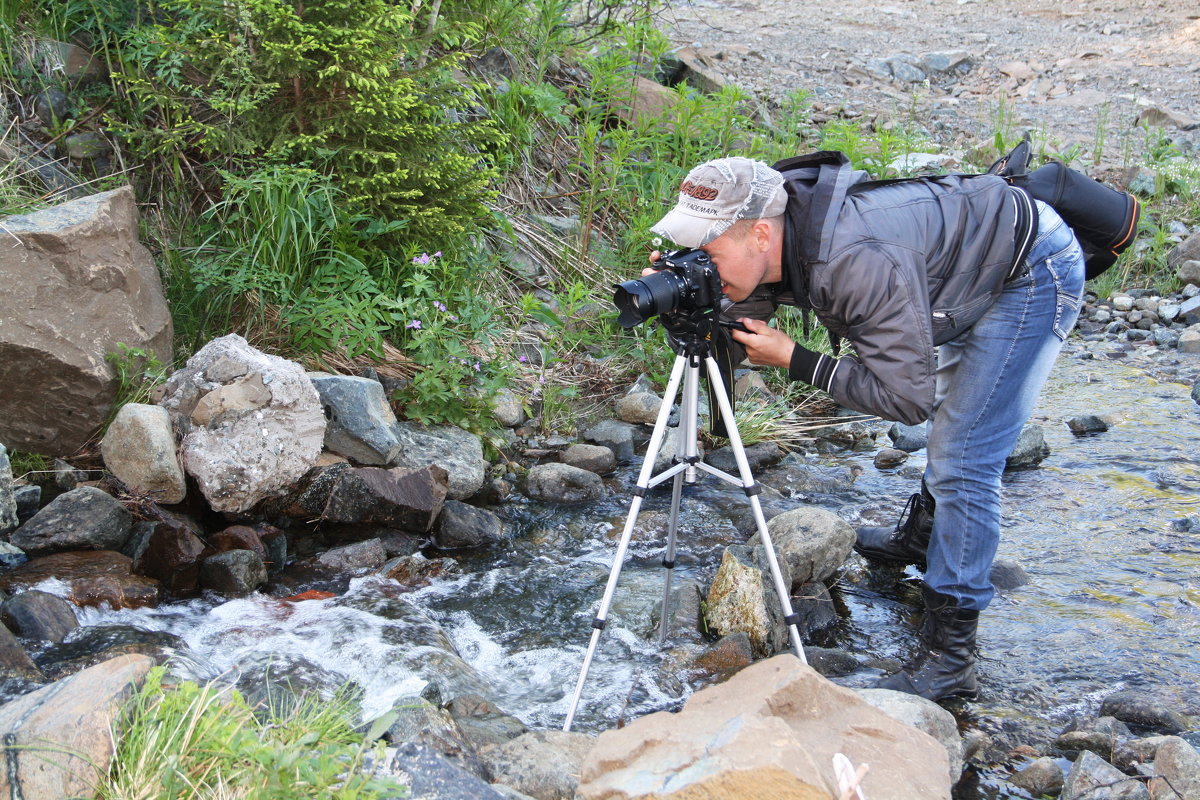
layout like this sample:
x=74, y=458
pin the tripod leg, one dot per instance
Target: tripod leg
x=687, y=453
x=643, y=483
x=752, y=490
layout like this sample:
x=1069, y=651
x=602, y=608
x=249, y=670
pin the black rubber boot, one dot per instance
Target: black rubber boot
x=945, y=666
x=907, y=542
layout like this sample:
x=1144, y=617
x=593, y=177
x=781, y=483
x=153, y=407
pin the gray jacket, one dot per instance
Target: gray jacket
x=895, y=269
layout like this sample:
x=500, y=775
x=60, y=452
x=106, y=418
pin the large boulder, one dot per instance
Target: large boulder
x=59, y=738
x=772, y=730
x=86, y=518
x=78, y=286
x=250, y=424
x=814, y=543
x=8, y=495
x=743, y=599
x=360, y=419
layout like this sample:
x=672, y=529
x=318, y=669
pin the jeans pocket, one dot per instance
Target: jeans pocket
x=1066, y=268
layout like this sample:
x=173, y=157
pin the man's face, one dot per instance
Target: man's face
x=742, y=260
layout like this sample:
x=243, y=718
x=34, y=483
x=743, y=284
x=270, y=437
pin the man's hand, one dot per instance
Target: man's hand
x=764, y=344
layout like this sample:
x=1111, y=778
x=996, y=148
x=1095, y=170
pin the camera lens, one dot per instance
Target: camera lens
x=640, y=299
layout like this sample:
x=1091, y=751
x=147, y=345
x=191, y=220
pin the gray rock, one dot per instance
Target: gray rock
x=15, y=663
x=1007, y=575
x=78, y=286
x=40, y=616
x=139, y=449
x=1030, y=450
x=924, y=715
x=1087, y=423
x=1187, y=250
x=1139, y=708
x=81, y=519
x=743, y=599
x=507, y=408
x=1189, y=311
x=29, y=502
x=814, y=543
x=462, y=525
x=560, y=483
x=592, y=457
x=51, y=106
x=1100, y=736
x=890, y=458
x=455, y=450
x=622, y=438
x=759, y=456
x=234, y=573
x=351, y=557
x=639, y=408
x=359, y=420
x=432, y=776
x=909, y=438
x=541, y=764
x=1093, y=778
x=251, y=423
x=903, y=69
x=1041, y=777
x=8, y=498
x=11, y=556
x=1189, y=271
x=482, y=723
x=417, y=721
x=1178, y=765
x=1168, y=311
x=958, y=62
x=87, y=146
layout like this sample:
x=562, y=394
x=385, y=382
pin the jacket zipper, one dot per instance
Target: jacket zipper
x=945, y=315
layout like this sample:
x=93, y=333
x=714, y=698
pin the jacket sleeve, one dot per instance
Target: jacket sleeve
x=879, y=303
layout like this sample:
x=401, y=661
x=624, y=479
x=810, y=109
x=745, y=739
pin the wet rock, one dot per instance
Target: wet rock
x=92, y=645
x=1007, y=575
x=1131, y=754
x=790, y=722
x=1138, y=708
x=1100, y=736
x=239, y=537
x=814, y=543
x=1087, y=423
x=79, y=286
x=174, y=551
x=759, y=456
x=359, y=418
x=417, y=721
x=814, y=606
x=416, y=570
x=742, y=598
x=139, y=449
x=8, y=498
x=560, y=483
x=15, y=663
x=1030, y=450
x=29, y=502
x=431, y=776
x=94, y=577
x=924, y=715
x=280, y=681
x=81, y=519
x=591, y=457
x=1178, y=766
x=622, y=438
x=482, y=723
x=1041, y=777
x=794, y=476
x=73, y=719
x=686, y=619
x=462, y=525
x=458, y=452
x=38, y=615
x=890, y=458
x=233, y=573
x=353, y=557
x=731, y=654
x=831, y=662
x=542, y=764
x=251, y=424
x=1093, y=778
x=409, y=499
x=639, y=408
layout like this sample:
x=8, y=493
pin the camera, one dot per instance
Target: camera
x=686, y=282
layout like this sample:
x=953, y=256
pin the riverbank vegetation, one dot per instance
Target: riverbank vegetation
x=442, y=192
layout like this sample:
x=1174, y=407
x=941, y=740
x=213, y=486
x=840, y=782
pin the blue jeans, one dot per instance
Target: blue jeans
x=988, y=380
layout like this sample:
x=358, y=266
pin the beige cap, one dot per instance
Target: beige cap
x=716, y=194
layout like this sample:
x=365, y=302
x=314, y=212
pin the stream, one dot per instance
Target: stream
x=1102, y=527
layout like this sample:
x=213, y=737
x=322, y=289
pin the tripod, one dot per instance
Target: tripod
x=691, y=351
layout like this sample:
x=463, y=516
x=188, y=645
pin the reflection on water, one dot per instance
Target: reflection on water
x=1112, y=601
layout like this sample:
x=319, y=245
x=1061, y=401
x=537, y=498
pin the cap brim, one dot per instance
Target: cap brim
x=689, y=230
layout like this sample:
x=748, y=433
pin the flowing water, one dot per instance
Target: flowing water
x=1101, y=528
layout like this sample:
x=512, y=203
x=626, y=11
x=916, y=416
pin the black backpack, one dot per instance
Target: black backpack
x=1104, y=219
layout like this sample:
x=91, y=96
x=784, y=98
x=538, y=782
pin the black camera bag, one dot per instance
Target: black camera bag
x=1104, y=219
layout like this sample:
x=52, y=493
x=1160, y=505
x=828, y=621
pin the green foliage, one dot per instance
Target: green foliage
x=189, y=741
x=336, y=84
x=24, y=464
x=137, y=372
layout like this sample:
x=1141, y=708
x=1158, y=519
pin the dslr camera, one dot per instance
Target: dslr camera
x=685, y=287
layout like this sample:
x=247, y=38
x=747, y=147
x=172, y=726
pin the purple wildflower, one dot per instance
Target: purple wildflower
x=415, y=324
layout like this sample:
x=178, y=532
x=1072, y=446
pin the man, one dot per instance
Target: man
x=955, y=294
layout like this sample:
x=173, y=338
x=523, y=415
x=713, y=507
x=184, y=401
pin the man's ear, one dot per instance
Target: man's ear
x=762, y=231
